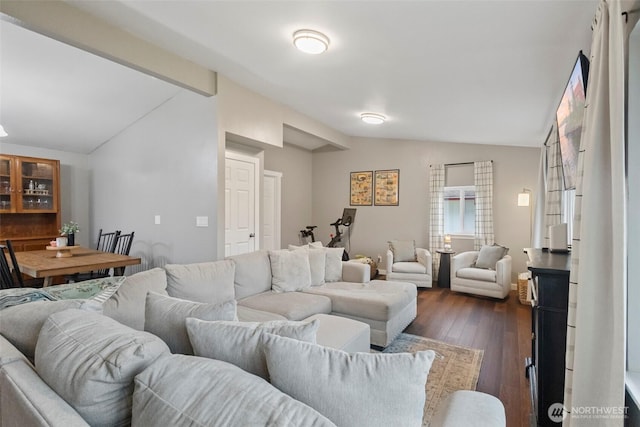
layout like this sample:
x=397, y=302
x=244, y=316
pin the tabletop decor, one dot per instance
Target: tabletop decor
x=70, y=229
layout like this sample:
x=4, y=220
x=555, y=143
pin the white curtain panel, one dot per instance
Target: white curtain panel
x=436, y=214
x=538, y=231
x=483, y=177
x=555, y=185
x=595, y=359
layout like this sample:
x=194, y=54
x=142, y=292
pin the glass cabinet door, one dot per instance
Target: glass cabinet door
x=38, y=186
x=7, y=203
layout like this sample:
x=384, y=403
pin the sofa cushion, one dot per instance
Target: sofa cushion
x=403, y=250
x=292, y=305
x=239, y=342
x=333, y=267
x=469, y=408
x=253, y=273
x=477, y=274
x=90, y=361
x=247, y=314
x=394, y=383
x=127, y=304
x=209, y=282
x=226, y=396
x=21, y=324
x=378, y=299
x=290, y=270
x=409, y=267
x=490, y=255
x=165, y=317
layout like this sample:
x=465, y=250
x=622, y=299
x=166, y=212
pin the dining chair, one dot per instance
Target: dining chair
x=123, y=246
x=6, y=277
x=106, y=243
x=11, y=275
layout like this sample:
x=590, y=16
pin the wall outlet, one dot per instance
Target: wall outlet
x=202, y=221
x=156, y=220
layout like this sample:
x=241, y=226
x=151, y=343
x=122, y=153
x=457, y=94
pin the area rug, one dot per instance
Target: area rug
x=454, y=368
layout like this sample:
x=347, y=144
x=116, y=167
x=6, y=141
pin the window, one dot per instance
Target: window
x=460, y=210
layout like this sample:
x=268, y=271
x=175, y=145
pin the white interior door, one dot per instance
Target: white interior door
x=271, y=213
x=241, y=209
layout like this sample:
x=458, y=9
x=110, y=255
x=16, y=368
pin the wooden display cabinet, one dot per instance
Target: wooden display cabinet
x=29, y=201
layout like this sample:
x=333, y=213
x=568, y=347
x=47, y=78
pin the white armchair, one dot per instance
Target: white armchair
x=465, y=277
x=417, y=272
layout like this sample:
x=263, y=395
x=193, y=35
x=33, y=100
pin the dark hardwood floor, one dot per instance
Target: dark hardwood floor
x=501, y=328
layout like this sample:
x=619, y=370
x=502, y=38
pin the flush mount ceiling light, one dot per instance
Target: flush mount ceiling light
x=373, y=118
x=309, y=41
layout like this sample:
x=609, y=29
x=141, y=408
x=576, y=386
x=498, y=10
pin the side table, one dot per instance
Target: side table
x=444, y=272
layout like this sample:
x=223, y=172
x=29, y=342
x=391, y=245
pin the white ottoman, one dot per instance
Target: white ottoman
x=342, y=333
x=465, y=408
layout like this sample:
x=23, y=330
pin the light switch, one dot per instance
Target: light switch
x=202, y=221
x=156, y=220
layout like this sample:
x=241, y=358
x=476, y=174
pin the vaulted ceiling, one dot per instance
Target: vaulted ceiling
x=489, y=72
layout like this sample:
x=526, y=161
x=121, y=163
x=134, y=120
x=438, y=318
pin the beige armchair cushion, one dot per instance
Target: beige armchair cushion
x=477, y=274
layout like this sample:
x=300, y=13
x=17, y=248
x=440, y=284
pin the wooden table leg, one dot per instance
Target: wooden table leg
x=47, y=281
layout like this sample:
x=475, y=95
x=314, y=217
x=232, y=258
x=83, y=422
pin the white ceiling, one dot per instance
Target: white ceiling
x=458, y=71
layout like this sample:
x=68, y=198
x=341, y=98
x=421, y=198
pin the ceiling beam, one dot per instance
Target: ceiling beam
x=75, y=27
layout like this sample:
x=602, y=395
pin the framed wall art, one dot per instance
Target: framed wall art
x=361, y=188
x=387, y=187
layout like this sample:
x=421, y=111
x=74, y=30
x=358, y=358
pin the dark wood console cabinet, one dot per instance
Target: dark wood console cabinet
x=545, y=368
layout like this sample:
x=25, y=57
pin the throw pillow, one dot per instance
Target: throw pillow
x=239, y=342
x=490, y=255
x=403, y=250
x=394, y=383
x=127, y=304
x=90, y=360
x=317, y=263
x=165, y=316
x=290, y=270
x=333, y=267
x=21, y=324
x=191, y=391
x=209, y=282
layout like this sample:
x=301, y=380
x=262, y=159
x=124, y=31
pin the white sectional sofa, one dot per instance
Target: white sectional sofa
x=386, y=306
x=77, y=363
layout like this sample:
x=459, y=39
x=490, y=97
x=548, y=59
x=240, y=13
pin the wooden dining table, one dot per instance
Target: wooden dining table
x=45, y=263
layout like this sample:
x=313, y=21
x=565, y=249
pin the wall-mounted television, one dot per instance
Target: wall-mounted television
x=569, y=118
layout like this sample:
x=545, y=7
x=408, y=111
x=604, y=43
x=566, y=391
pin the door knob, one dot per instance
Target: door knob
x=252, y=235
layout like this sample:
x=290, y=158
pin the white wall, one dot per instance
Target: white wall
x=514, y=168
x=74, y=183
x=165, y=164
x=295, y=164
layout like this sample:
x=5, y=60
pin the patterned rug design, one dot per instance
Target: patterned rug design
x=454, y=368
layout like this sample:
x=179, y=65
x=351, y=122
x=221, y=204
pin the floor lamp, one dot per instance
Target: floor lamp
x=524, y=199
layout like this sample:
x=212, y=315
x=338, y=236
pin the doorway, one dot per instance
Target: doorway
x=241, y=192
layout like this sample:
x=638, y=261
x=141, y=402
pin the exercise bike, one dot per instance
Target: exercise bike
x=337, y=240
x=308, y=232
